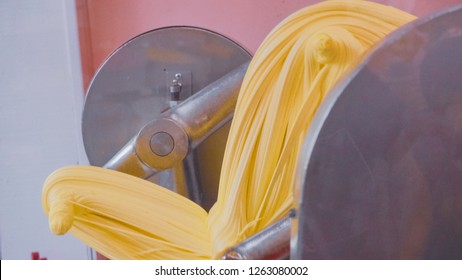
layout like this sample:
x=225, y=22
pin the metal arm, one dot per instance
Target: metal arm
x=165, y=141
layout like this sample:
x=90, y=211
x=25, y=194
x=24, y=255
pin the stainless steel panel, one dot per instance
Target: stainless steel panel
x=381, y=170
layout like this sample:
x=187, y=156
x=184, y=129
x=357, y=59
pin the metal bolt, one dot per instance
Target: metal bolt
x=162, y=143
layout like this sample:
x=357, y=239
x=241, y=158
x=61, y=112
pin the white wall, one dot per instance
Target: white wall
x=40, y=106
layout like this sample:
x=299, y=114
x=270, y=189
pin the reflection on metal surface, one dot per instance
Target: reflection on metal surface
x=381, y=170
x=134, y=86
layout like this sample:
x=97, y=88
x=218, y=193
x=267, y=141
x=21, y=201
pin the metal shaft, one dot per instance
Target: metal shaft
x=164, y=142
x=272, y=243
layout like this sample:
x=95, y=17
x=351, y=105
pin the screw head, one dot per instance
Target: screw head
x=162, y=144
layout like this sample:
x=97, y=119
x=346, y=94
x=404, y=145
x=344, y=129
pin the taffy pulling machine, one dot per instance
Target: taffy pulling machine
x=380, y=175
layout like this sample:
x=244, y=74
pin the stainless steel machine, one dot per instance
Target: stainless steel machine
x=380, y=175
x=160, y=107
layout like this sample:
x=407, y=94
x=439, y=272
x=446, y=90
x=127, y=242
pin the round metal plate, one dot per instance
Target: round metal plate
x=381, y=170
x=131, y=88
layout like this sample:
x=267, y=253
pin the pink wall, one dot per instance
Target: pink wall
x=106, y=24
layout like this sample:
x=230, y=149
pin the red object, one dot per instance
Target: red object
x=36, y=256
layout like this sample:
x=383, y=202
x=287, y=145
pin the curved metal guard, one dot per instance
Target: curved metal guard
x=381, y=170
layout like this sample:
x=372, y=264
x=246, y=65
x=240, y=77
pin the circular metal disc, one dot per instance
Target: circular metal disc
x=131, y=88
x=381, y=169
